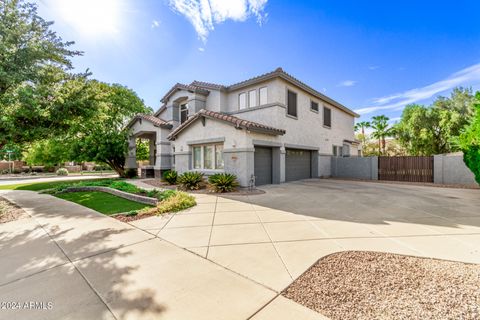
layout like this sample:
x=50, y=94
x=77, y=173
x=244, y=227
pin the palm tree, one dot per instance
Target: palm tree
x=362, y=126
x=381, y=131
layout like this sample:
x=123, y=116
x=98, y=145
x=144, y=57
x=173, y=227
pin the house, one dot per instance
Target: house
x=272, y=127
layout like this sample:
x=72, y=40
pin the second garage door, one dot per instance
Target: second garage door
x=297, y=164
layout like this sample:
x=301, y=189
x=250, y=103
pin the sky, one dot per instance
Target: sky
x=372, y=56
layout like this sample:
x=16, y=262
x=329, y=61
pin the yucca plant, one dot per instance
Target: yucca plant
x=190, y=180
x=223, y=182
x=170, y=176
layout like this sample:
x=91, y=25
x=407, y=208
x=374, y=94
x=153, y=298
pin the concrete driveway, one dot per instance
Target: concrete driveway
x=240, y=252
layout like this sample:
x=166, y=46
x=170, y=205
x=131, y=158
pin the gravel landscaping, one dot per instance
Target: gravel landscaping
x=373, y=285
x=10, y=212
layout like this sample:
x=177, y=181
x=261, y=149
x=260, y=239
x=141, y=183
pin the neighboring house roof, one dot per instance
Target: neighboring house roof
x=279, y=73
x=236, y=122
x=157, y=122
x=181, y=86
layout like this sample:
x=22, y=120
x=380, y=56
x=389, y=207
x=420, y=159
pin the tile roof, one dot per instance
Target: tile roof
x=180, y=86
x=208, y=85
x=151, y=118
x=237, y=122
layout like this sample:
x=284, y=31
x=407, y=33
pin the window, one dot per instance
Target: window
x=197, y=157
x=314, y=106
x=252, y=98
x=327, y=117
x=183, y=113
x=346, y=150
x=337, y=151
x=208, y=157
x=292, y=103
x=242, y=100
x=263, y=95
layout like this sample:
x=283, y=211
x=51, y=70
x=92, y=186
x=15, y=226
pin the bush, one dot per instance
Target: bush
x=131, y=173
x=471, y=157
x=223, y=182
x=190, y=180
x=469, y=142
x=101, y=167
x=170, y=176
x=176, y=202
x=62, y=172
x=125, y=186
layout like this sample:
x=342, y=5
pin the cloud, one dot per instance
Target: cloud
x=373, y=68
x=155, y=24
x=201, y=49
x=347, y=83
x=205, y=14
x=398, y=100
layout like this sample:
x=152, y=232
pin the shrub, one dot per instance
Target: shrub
x=190, y=180
x=125, y=186
x=170, y=176
x=101, y=167
x=223, y=182
x=471, y=157
x=469, y=142
x=62, y=172
x=166, y=194
x=177, y=202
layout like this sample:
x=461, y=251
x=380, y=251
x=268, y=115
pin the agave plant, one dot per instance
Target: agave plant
x=223, y=182
x=190, y=180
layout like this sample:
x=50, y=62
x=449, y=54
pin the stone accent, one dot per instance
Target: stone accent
x=118, y=193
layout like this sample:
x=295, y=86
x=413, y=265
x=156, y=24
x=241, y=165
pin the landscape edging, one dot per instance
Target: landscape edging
x=115, y=192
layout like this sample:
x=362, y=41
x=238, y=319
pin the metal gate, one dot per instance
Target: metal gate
x=411, y=169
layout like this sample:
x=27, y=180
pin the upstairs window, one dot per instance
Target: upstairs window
x=183, y=113
x=292, y=103
x=263, y=95
x=314, y=106
x=327, y=117
x=242, y=100
x=252, y=98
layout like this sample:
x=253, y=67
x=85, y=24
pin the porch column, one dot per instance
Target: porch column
x=151, y=150
x=131, y=159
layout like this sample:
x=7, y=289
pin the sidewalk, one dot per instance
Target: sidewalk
x=90, y=266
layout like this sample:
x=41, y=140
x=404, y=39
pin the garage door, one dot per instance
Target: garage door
x=263, y=166
x=297, y=164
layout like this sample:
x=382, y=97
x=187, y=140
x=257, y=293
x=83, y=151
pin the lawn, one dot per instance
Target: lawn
x=102, y=202
x=38, y=186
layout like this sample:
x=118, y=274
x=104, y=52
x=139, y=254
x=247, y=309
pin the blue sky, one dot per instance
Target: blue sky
x=372, y=56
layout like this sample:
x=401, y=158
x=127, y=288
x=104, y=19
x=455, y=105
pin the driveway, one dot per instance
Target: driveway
x=226, y=258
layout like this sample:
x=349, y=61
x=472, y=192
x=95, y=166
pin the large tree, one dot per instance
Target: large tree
x=38, y=92
x=427, y=130
x=104, y=137
x=469, y=142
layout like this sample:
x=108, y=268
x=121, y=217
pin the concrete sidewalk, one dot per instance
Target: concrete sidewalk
x=78, y=264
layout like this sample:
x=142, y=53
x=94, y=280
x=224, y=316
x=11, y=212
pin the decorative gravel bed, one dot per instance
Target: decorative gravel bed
x=239, y=192
x=10, y=212
x=373, y=285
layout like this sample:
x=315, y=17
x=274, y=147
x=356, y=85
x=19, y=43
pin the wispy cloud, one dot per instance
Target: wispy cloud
x=201, y=49
x=347, y=83
x=205, y=14
x=155, y=24
x=398, y=100
x=373, y=67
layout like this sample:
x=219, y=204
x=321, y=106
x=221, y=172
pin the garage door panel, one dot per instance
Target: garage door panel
x=297, y=164
x=263, y=165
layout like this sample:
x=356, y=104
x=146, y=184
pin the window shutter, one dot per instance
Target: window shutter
x=292, y=103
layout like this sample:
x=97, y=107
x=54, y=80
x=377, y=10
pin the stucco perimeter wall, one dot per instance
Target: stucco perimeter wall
x=450, y=169
x=365, y=168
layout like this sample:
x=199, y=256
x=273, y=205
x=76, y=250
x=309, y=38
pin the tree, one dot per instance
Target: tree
x=143, y=149
x=104, y=138
x=432, y=130
x=361, y=126
x=37, y=91
x=47, y=152
x=381, y=131
x=469, y=142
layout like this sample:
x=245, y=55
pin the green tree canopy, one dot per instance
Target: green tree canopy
x=469, y=142
x=38, y=93
x=381, y=130
x=427, y=130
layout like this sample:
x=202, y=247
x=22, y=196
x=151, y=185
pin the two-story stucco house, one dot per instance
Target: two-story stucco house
x=272, y=127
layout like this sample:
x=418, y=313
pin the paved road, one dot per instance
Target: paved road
x=18, y=180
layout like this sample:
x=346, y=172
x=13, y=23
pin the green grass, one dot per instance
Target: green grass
x=102, y=202
x=38, y=186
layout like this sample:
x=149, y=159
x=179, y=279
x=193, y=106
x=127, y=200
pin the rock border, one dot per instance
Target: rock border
x=115, y=192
